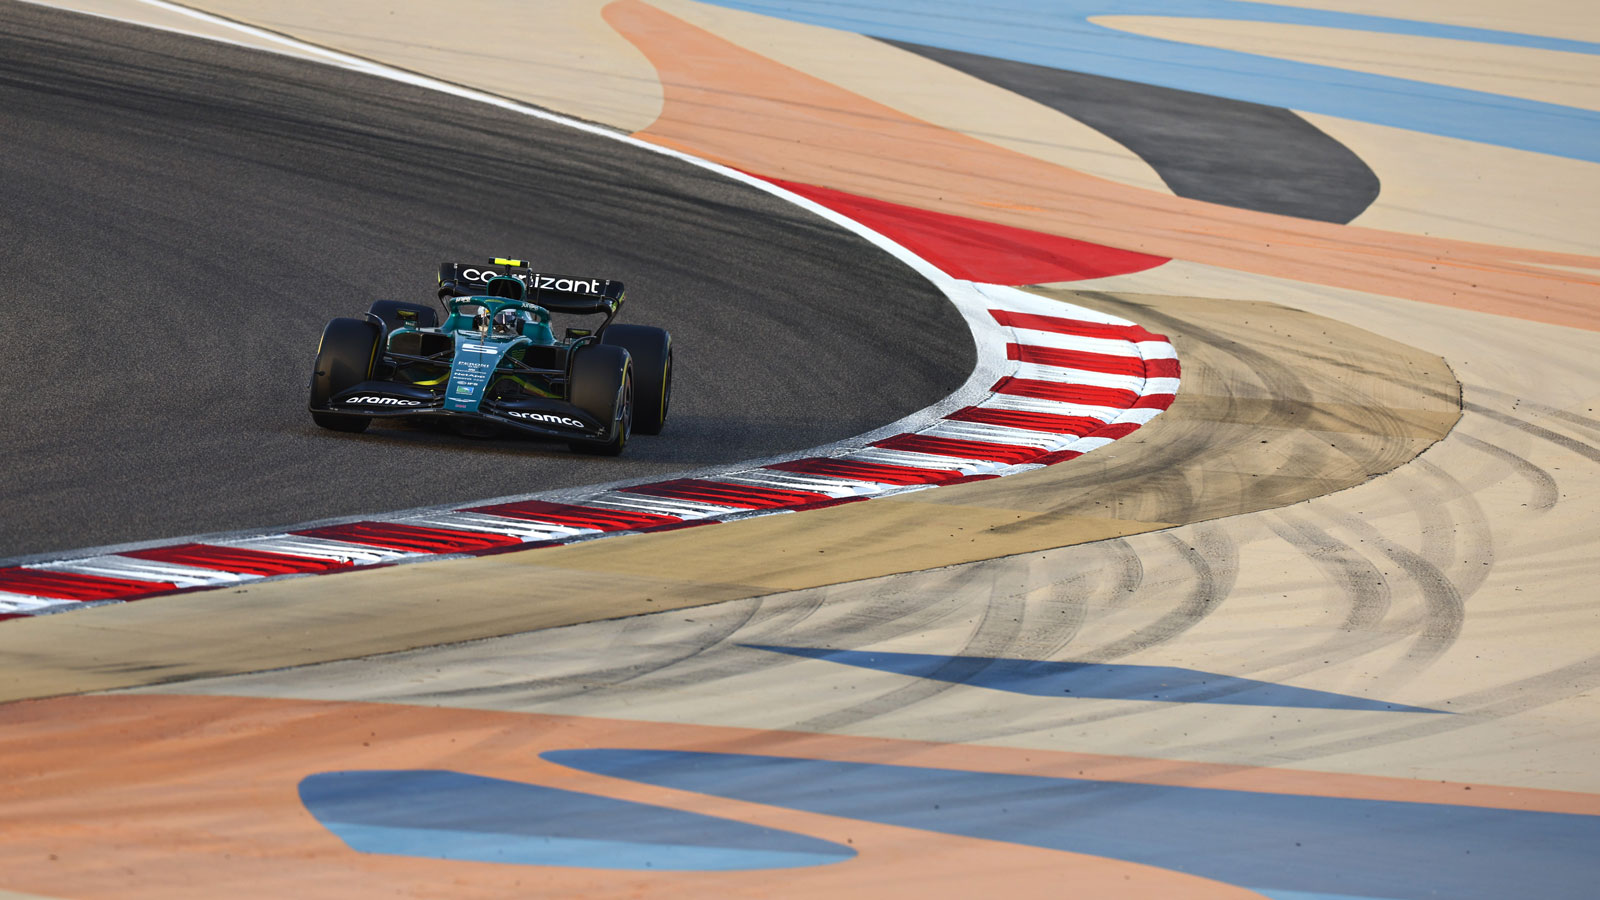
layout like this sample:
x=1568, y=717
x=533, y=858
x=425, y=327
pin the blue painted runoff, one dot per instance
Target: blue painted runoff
x=1058, y=34
x=1294, y=847
x=1103, y=681
x=450, y=815
x=1302, y=895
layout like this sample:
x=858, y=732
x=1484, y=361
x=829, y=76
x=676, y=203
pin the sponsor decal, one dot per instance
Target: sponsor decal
x=536, y=281
x=579, y=285
x=479, y=348
x=368, y=400
x=485, y=274
x=547, y=418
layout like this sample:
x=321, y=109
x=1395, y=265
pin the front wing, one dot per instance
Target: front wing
x=543, y=417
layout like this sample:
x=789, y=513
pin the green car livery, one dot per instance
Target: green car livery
x=494, y=364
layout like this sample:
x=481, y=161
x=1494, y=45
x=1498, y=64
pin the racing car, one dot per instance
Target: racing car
x=495, y=364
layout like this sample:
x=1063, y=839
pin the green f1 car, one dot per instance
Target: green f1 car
x=495, y=364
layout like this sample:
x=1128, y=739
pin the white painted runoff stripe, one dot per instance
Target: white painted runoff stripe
x=112, y=566
x=910, y=459
x=1102, y=346
x=998, y=434
x=521, y=528
x=321, y=548
x=1065, y=375
x=1019, y=403
x=667, y=506
x=833, y=487
x=14, y=604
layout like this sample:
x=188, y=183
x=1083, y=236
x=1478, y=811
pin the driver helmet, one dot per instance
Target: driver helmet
x=507, y=321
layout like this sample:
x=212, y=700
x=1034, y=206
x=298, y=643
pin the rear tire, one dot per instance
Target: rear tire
x=345, y=358
x=602, y=386
x=388, y=311
x=651, y=349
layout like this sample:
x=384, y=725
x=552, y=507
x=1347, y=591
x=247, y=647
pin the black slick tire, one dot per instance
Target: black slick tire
x=345, y=358
x=602, y=386
x=651, y=349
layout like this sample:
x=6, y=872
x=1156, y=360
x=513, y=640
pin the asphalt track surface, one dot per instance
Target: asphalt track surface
x=181, y=218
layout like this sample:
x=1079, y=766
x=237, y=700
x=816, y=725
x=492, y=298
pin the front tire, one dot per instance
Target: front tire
x=602, y=386
x=651, y=349
x=345, y=358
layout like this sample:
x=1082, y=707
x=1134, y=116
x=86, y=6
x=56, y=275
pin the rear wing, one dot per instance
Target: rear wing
x=557, y=293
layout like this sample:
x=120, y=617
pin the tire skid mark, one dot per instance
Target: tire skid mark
x=1370, y=627
x=1129, y=570
x=904, y=612
x=1574, y=445
x=1213, y=561
x=636, y=640
x=692, y=653
x=1011, y=622
x=1054, y=612
x=710, y=656
x=1587, y=423
x=1358, y=580
x=1544, y=493
x=716, y=633
x=693, y=658
x=1365, y=629
x=1048, y=618
x=998, y=627
x=789, y=616
x=1456, y=536
x=1443, y=612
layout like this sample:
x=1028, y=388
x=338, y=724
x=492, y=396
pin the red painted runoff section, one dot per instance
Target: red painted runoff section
x=568, y=514
x=1060, y=456
x=236, y=559
x=1012, y=454
x=1154, y=401
x=1081, y=359
x=877, y=473
x=1067, y=392
x=977, y=250
x=1161, y=368
x=74, y=586
x=411, y=538
x=724, y=494
x=1113, y=432
x=1030, y=421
